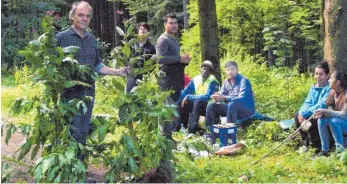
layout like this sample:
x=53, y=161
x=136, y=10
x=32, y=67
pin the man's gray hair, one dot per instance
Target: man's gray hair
x=231, y=63
x=77, y=4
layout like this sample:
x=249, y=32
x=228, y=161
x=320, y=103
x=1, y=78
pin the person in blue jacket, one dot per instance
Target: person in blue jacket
x=315, y=99
x=236, y=99
x=195, y=96
x=334, y=116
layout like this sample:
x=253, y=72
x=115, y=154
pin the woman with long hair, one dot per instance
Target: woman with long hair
x=335, y=116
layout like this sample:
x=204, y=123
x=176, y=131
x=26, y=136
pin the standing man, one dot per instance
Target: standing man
x=171, y=62
x=236, y=100
x=194, y=98
x=88, y=54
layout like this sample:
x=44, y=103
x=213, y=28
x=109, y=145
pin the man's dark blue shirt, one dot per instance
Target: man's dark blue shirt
x=88, y=54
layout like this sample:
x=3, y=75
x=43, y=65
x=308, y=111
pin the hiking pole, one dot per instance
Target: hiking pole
x=288, y=138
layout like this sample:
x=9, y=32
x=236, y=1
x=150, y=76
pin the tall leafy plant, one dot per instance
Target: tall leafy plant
x=55, y=68
x=142, y=114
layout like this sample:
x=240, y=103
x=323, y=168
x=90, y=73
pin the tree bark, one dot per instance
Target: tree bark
x=115, y=21
x=209, y=41
x=335, y=33
x=185, y=15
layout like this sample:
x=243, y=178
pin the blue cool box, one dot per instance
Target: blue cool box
x=224, y=134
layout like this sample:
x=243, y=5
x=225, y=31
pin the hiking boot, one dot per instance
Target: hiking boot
x=201, y=131
x=303, y=149
x=321, y=153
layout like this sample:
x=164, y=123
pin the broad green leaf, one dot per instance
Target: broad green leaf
x=343, y=158
x=71, y=49
x=62, y=160
x=25, y=129
x=130, y=30
x=126, y=50
x=134, y=168
x=65, y=133
x=82, y=105
x=25, y=148
x=120, y=31
x=35, y=43
x=144, y=70
x=70, y=154
x=52, y=173
x=11, y=129
x=69, y=84
x=131, y=144
x=37, y=172
x=47, y=24
x=102, y=132
x=43, y=38
x=30, y=57
x=46, y=126
x=70, y=60
x=34, y=151
x=50, y=71
x=57, y=179
x=45, y=165
x=118, y=85
x=134, y=60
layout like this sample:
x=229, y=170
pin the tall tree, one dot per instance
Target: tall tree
x=335, y=31
x=209, y=42
x=185, y=15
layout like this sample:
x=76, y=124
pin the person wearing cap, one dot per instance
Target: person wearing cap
x=195, y=96
x=235, y=100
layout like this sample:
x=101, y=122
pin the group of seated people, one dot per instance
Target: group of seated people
x=327, y=104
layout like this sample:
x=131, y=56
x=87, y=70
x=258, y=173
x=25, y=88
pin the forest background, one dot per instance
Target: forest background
x=276, y=43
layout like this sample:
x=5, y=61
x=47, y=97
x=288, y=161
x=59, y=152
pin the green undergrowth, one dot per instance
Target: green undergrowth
x=279, y=92
x=283, y=165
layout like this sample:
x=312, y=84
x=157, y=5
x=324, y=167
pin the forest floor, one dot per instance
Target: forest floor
x=286, y=164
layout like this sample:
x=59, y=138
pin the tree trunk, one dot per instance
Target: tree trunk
x=185, y=14
x=149, y=17
x=115, y=17
x=209, y=42
x=335, y=33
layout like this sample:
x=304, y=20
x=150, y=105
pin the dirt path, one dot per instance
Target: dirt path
x=20, y=173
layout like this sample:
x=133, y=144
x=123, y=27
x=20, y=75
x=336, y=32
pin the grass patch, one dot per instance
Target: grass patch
x=9, y=94
x=284, y=165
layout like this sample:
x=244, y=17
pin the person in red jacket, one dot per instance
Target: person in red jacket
x=186, y=80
